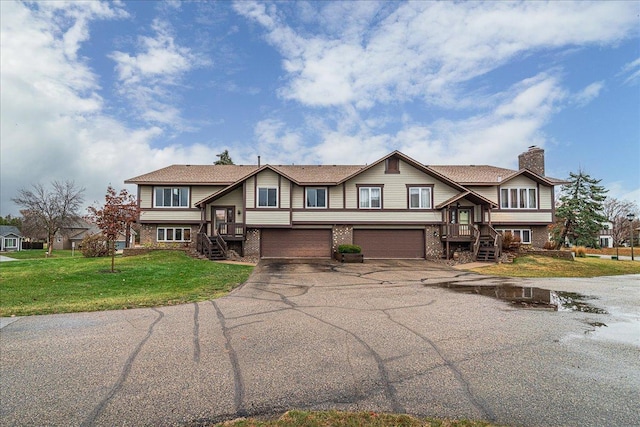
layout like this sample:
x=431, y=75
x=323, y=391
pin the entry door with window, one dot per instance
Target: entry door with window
x=221, y=219
x=464, y=221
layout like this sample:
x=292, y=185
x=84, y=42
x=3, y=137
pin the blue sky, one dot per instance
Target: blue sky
x=101, y=92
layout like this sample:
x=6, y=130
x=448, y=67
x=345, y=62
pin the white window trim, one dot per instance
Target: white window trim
x=520, y=234
x=306, y=197
x=267, y=205
x=369, y=199
x=7, y=245
x=509, y=200
x=174, y=233
x=420, y=198
x=155, y=197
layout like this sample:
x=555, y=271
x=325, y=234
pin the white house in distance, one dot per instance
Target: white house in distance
x=606, y=236
x=395, y=207
x=10, y=238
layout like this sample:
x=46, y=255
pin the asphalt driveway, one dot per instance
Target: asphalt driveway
x=376, y=336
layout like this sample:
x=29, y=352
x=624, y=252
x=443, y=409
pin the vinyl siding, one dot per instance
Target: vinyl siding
x=490, y=193
x=395, y=186
x=520, y=217
x=232, y=199
x=267, y=217
x=268, y=178
x=297, y=197
x=546, y=197
x=199, y=192
x=336, y=200
x=366, y=216
x=146, y=192
x=285, y=193
x=520, y=181
x=169, y=215
x=251, y=193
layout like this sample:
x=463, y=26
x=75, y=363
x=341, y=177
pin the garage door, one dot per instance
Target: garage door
x=390, y=243
x=300, y=243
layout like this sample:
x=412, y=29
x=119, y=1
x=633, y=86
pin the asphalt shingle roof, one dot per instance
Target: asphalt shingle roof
x=5, y=230
x=194, y=174
x=474, y=174
x=312, y=174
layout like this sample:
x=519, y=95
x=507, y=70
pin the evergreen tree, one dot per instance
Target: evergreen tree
x=223, y=158
x=580, y=213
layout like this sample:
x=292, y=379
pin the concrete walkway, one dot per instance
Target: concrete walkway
x=365, y=337
x=6, y=258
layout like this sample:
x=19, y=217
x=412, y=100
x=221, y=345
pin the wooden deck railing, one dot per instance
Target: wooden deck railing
x=457, y=231
x=231, y=230
x=487, y=230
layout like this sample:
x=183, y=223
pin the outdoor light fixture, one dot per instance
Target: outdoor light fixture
x=630, y=217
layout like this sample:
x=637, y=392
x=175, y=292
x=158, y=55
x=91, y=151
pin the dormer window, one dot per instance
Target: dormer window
x=392, y=165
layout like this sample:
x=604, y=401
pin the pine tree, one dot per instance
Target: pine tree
x=224, y=158
x=580, y=212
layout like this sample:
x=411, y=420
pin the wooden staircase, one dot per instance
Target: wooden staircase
x=488, y=244
x=211, y=248
x=487, y=250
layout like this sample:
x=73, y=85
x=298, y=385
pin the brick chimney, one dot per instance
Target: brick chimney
x=532, y=159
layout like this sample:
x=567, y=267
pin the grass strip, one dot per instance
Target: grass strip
x=350, y=419
x=540, y=266
x=65, y=284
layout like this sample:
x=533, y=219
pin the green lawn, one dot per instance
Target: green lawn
x=540, y=266
x=64, y=284
x=350, y=419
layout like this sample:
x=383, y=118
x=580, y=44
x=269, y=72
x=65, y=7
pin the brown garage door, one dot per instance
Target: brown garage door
x=300, y=243
x=390, y=243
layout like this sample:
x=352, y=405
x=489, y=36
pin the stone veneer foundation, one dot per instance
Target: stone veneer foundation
x=342, y=235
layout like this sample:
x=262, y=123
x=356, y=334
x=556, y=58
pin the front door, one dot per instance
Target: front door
x=222, y=216
x=463, y=219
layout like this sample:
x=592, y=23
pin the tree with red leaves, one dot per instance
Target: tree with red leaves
x=120, y=210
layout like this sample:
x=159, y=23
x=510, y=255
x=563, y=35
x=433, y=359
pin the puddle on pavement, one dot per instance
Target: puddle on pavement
x=527, y=297
x=627, y=331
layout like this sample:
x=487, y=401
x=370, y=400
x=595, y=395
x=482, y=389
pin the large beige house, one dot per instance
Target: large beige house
x=395, y=207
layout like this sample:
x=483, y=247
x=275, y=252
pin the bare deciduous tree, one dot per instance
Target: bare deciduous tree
x=49, y=210
x=616, y=212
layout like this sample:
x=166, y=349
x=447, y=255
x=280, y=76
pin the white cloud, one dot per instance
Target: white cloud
x=423, y=50
x=632, y=70
x=494, y=137
x=589, y=93
x=54, y=125
x=148, y=78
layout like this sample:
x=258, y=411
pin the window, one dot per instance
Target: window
x=174, y=234
x=518, y=198
x=172, y=197
x=10, y=242
x=420, y=197
x=316, y=197
x=267, y=197
x=523, y=234
x=370, y=197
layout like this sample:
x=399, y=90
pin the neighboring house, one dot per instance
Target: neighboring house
x=78, y=230
x=606, y=235
x=395, y=207
x=10, y=238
